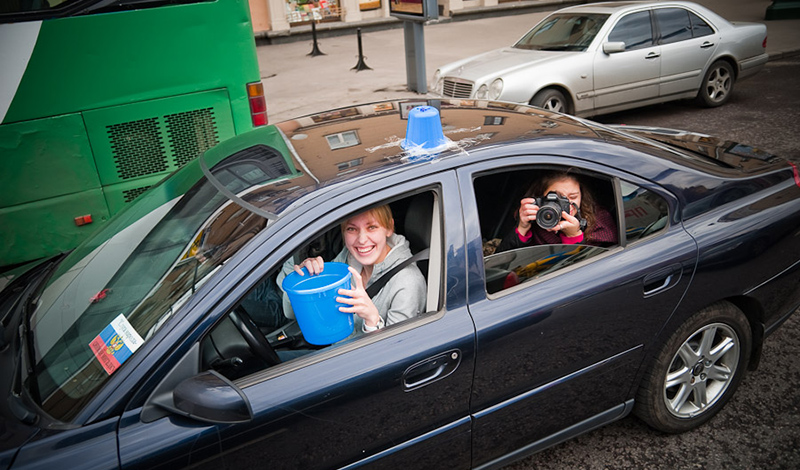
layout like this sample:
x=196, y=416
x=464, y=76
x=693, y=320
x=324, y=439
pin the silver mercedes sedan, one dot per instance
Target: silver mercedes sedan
x=605, y=57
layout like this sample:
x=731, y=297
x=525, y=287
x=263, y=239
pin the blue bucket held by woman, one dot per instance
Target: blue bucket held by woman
x=314, y=303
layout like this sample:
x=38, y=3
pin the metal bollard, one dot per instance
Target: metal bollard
x=315, y=50
x=361, y=65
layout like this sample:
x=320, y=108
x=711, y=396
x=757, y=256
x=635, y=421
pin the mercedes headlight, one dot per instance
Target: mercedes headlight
x=483, y=93
x=495, y=89
x=436, y=82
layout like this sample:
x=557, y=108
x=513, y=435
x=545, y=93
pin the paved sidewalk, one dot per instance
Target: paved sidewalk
x=297, y=84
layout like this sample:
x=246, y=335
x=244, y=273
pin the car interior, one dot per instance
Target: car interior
x=257, y=334
x=498, y=194
x=504, y=190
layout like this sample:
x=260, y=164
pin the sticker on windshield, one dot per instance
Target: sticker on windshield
x=115, y=344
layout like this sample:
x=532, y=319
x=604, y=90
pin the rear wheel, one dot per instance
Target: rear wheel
x=551, y=100
x=697, y=371
x=717, y=85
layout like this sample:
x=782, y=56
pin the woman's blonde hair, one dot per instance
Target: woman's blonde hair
x=383, y=214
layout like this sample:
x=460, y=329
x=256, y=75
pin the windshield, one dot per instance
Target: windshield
x=567, y=32
x=111, y=294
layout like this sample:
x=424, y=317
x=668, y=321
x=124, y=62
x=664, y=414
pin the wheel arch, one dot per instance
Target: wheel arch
x=561, y=88
x=754, y=312
x=731, y=60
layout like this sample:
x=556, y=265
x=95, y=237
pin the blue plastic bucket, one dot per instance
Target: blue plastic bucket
x=424, y=129
x=314, y=303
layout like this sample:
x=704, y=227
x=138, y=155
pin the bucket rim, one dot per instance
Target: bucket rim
x=341, y=268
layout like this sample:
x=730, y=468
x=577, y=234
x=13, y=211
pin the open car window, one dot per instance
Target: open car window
x=617, y=213
x=263, y=330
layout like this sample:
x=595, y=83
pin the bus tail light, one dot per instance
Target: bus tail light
x=258, y=104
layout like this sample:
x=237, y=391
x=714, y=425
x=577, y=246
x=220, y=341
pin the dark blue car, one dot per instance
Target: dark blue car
x=165, y=341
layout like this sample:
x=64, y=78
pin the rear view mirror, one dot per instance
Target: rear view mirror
x=210, y=397
x=613, y=47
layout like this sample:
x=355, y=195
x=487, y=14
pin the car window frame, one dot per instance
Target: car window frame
x=212, y=303
x=659, y=33
x=609, y=174
x=653, y=29
x=331, y=220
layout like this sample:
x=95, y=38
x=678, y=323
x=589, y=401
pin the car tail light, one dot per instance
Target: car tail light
x=796, y=175
x=258, y=104
x=764, y=44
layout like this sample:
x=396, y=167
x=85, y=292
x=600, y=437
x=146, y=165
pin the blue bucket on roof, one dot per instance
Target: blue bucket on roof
x=424, y=129
x=314, y=303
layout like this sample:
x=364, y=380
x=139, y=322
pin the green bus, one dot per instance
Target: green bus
x=100, y=99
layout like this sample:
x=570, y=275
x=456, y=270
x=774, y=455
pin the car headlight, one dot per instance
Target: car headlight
x=436, y=82
x=483, y=93
x=495, y=89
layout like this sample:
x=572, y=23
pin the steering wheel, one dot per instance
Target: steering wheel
x=252, y=335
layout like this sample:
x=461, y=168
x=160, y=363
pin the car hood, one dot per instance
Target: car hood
x=13, y=437
x=503, y=61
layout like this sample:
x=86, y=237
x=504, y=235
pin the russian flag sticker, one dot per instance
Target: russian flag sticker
x=115, y=344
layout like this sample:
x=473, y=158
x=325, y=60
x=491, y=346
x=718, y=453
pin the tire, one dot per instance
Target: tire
x=717, y=85
x=707, y=355
x=551, y=100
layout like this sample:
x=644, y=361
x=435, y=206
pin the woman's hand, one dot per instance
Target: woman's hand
x=569, y=226
x=527, y=214
x=359, y=301
x=313, y=265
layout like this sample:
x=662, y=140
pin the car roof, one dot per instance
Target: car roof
x=615, y=7
x=320, y=155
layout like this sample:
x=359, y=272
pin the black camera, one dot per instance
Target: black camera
x=550, y=208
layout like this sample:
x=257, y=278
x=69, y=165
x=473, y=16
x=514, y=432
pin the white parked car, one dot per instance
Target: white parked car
x=605, y=57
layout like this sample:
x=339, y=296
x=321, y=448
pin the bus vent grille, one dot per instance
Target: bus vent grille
x=191, y=133
x=137, y=148
x=131, y=194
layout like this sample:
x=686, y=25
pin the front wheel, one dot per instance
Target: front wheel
x=697, y=371
x=717, y=85
x=551, y=100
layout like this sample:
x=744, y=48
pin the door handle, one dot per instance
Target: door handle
x=706, y=45
x=652, y=55
x=430, y=370
x=661, y=280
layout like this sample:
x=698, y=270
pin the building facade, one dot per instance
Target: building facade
x=275, y=16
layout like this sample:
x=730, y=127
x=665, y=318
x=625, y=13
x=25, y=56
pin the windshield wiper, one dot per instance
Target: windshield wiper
x=26, y=333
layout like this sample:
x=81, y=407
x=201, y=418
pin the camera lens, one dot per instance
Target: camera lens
x=547, y=217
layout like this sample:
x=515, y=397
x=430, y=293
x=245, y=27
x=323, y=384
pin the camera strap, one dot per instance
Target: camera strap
x=578, y=216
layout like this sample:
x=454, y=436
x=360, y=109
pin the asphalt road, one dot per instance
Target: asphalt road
x=760, y=427
x=764, y=111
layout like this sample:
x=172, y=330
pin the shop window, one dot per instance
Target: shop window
x=366, y=5
x=303, y=11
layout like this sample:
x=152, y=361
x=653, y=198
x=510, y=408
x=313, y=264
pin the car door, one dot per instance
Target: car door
x=687, y=46
x=630, y=76
x=392, y=398
x=558, y=353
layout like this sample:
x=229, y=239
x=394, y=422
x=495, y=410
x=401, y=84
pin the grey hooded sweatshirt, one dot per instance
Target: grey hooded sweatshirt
x=403, y=297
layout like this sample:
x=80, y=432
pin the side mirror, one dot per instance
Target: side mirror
x=212, y=398
x=613, y=47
